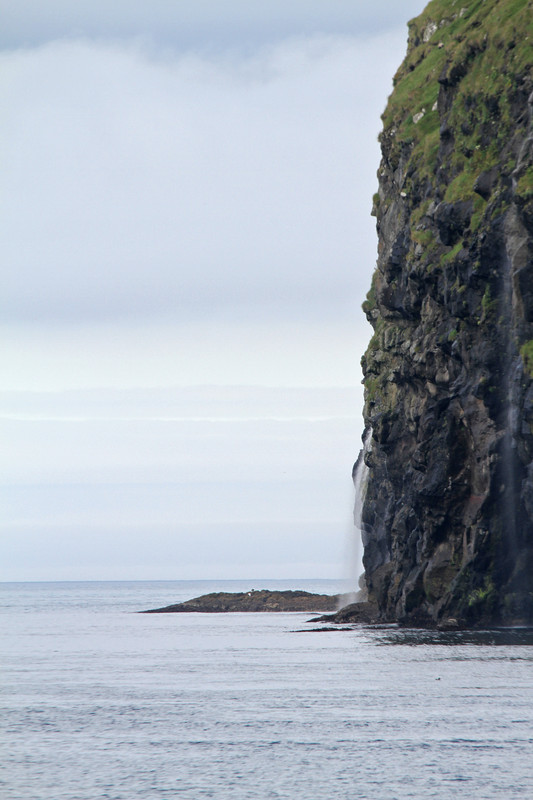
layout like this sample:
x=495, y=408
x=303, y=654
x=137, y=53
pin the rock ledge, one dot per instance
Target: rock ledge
x=358, y=613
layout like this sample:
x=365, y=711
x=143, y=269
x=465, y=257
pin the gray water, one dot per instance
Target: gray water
x=101, y=702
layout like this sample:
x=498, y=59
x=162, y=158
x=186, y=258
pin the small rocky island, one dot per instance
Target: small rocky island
x=253, y=601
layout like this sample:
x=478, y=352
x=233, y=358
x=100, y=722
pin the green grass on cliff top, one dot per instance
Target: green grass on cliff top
x=489, y=44
x=483, y=25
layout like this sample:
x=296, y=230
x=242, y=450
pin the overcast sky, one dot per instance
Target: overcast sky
x=187, y=240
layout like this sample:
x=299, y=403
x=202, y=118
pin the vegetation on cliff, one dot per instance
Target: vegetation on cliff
x=448, y=514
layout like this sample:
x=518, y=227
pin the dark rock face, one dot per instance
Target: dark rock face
x=354, y=613
x=448, y=513
x=254, y=601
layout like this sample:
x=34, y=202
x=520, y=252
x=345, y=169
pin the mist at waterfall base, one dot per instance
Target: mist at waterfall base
x=101, y=702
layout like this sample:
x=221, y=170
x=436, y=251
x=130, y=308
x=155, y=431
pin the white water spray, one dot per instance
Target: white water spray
x=356, y=592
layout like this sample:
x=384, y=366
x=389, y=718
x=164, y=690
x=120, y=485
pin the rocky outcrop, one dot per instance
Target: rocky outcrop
x=448, y=513
x=358, y=613
x=253, y=601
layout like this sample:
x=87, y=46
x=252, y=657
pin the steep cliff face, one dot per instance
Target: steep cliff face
x=448, y=374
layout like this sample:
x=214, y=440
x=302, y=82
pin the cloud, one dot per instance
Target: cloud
x=202, y=23
x=185, y=200
x=183, y=187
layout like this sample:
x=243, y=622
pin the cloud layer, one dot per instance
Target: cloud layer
x=185, y=200
x=180, y=187
x=203, y=24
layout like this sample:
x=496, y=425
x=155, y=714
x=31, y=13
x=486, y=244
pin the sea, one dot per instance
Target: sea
x=99, y=701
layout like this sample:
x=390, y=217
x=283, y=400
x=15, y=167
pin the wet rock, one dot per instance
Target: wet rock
x=356, y=613
x=449, y=624
x=485, y=182
x=452, y=220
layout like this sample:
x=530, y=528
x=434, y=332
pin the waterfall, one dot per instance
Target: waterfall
x=356, y=592
x=512, y=470
x=510, y=467
x=511, y=390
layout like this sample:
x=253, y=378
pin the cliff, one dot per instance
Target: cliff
x=447, y=517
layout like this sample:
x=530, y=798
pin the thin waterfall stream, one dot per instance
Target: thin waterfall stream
x=510, y=466
x=360, y=481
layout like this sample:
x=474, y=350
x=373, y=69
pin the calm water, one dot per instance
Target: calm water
x=100, y=702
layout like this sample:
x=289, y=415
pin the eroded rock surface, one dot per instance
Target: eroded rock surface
x=448, y=514
x=354, y=613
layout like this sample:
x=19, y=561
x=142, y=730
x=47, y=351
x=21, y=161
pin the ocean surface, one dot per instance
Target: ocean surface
x=101, y=702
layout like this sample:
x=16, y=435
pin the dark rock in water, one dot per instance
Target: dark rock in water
x=254, y=601
x=448, y=625
x=359, y=613
x=329, y=629
x=447, y=518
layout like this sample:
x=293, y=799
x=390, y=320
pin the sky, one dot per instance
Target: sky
x=187, y=241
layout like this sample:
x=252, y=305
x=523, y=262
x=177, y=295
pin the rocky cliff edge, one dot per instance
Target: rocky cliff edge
x=448, y=512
